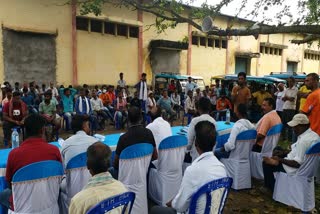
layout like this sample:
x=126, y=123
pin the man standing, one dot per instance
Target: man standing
x=289, y=107
x=142, y=89
x=101, y=186
x=121, y=82
x=312, y=104
x=204, y=169
x=33, y=149
x=190, y=86
x=14, y=113
x=270, y=119
x=160, y=128
x=204, y=110
x=240, y=93
x=279, y=103
x=290, y=161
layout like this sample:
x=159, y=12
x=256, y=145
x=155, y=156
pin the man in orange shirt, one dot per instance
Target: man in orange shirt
x=270, y=119
x=240, y=93
x=223, y=104
x=106, y=102
x=312, y=104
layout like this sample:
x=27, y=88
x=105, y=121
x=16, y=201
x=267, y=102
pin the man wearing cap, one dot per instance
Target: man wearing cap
x=290, y=161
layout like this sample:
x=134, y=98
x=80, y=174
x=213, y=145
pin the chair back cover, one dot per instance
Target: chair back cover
x=297, y=189
x=35, y=188
x=165, y=180
x=213, y=195
x=270, y=142
x=133, y=167
x=77, y=174
x=125, y=199
x=238, y=163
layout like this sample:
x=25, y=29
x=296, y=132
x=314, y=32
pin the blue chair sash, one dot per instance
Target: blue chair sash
x=173, y=142
x=77, y=161
x=136, y=151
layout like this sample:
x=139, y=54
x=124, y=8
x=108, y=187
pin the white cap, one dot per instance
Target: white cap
x=3, y=86
x=298, y=119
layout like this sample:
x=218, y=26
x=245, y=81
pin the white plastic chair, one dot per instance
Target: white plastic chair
x=165, y=180
x=238, y=163
x=133, y=167
x=77, y=176
x=35, y=188
x=270, y=142
x=297, y=190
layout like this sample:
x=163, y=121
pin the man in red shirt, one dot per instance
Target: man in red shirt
x=33, y=149
x=14, y=113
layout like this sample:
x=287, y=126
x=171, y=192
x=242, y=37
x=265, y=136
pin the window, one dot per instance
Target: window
x=262, y=49
x=121, y=30
x=96, y=26
x=109, y=28
x=267, y=49
x=210, y=42
x=271, y=51
x=82, y=23
x=224, y=44
x=134, y=32
x=195, y=40
x=280, y=52
x=217, y=43
x=203, y=41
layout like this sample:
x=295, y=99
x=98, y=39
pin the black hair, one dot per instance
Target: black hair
x=77, y=122
x=24, y=90
x=16, y=83
x=65, y=90
x=314, y=76
x=143, y=74
x=292, y=78
x=121, y=73
x=98, y=158
x=155, y=115
x=34, y=124
x=48, y=92
x=16, y=93
x=243, y=74
x=242, y=109
x=205, y=135
x=271, y=102
x=204, y=104
x=134, y=115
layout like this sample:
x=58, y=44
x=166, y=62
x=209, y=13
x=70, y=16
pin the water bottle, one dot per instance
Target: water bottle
x=15, y=138
x=228, y=117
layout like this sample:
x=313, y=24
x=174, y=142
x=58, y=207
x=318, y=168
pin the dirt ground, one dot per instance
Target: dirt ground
x=244, y=201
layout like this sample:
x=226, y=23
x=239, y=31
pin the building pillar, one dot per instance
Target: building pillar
x=189, y=49
x=258, y=59
x=74, y=42
x=227, y=65
x=140, y=45
x=283, y=62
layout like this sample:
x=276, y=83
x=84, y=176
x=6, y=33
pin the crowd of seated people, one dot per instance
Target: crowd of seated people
x=85, y=108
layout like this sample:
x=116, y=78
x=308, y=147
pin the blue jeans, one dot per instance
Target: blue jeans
x=4, y=198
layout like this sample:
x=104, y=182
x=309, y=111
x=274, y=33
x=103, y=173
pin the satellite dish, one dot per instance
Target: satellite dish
x=207, y=24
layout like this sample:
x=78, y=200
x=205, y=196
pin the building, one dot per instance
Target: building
x=49, y=40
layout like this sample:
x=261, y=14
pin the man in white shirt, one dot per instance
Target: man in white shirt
x=290, y=161
x=204, y=110
x=204, y=169
x=289, y=107
x=98, y=108
x=160, y=128
x=175, y=101
x=243, y=124
x=190, y=86
x=79, y=142
x=53, y=89
x=189, y=105
x=142, y=89
x=121, y=81
x=279, y=102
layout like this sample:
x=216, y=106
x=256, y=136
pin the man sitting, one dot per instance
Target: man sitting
x=189, y=106
x=79, y=142
x=203, y=109
x=290, y=161
x=33, y=149
x=270, y=119
x=204, y=169
x=160, y=128
x=243, y=124
x=222, y=105
x=47, y=110
x=67, y=97
x=165, y=103
x=101, y=186
x=98, y=108
x=14, y=113
x=136, y=134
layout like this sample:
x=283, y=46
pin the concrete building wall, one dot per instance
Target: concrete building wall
x=41, y=16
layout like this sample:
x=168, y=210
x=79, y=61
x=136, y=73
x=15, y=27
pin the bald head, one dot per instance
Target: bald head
x=98, y=158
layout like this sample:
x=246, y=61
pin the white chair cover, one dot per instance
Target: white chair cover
x=270, y=142
x=165, y=180
x=238, y=163
x=77, y=176
x=297, y=190
x=35, y=188
x=133, y=167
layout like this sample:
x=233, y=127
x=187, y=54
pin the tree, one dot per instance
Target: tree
x=169, y=13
